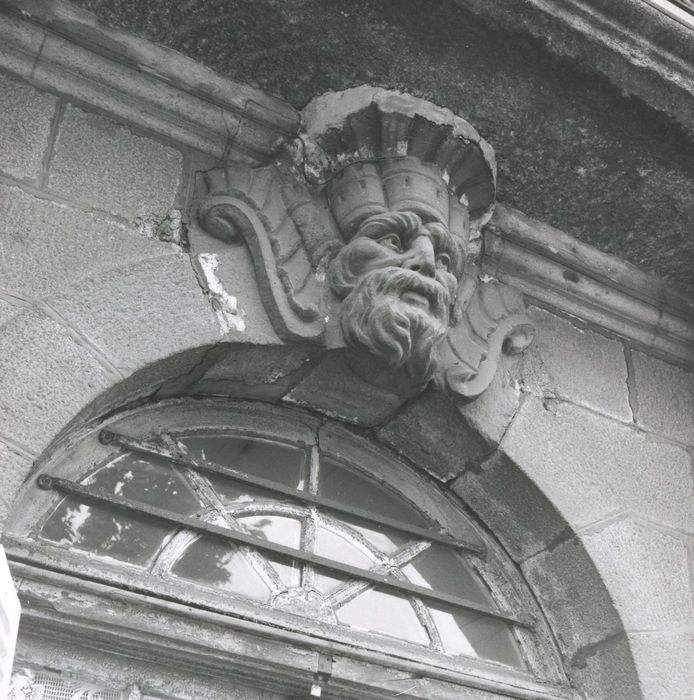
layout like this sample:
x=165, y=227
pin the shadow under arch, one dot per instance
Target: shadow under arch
x=500, y=493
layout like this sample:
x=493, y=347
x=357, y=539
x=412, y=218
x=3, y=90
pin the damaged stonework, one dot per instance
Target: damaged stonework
x=169, y=229
x=225, y=306
x=360, y=232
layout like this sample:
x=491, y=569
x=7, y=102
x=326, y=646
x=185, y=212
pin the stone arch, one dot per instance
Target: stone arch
x=498, y=490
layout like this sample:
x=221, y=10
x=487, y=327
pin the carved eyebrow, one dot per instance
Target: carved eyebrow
x=440, y=236
x=445, y=242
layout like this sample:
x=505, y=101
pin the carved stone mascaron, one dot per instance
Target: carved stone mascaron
x=361, y=231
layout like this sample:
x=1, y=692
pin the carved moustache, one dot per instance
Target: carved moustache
x=398, y=281
x=400, y=334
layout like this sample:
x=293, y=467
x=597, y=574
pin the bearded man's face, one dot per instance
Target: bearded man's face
x=398, y=278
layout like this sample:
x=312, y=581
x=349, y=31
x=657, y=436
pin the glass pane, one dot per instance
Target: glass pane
x=289, y=570
x=215, y=563
x=393, y=615
x=350, y=488
x=283, y=464
x=442, y=569
x=152, y=481
x=385, y=539
x=471, y=634
x=280, y=530
x=273, y=528
x=124, y=536
x=325, y=583
x=231, y=492
x=338, y=548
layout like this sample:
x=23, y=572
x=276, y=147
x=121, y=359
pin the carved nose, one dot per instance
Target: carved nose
x=420, y=257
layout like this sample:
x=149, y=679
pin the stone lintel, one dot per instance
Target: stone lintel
x=57, y=47
x=555, y=270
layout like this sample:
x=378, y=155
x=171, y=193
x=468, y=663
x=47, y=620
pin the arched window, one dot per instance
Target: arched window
x=277, y=517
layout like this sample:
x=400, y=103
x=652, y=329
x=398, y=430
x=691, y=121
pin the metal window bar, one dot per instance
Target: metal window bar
x=71, y=488
x=153, y=450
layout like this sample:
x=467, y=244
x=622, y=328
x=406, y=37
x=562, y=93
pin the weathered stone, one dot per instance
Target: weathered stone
x=573, y=596
x=584, y=367
x=372, y=261
x=48, y=376
x=226, y=274
x=257, y=372
x=142, y=312
x=605, y=671
x=490, y=414
x=24, y=129
x=646, y=571
x=101, y=163
x=45, y=247
x=664, y=398
x=432, y=433
x=665, y=664
x=512, y=506
x=572, y=145
x=8, y=311
x=14, y=469
x=334, y=389
x=590, y=467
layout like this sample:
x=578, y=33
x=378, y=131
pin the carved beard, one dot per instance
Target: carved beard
x=376, y=319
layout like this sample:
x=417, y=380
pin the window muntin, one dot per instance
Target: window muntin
x=82, y=453
x=276, y=581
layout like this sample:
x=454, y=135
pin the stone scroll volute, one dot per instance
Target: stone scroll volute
x=359, y=231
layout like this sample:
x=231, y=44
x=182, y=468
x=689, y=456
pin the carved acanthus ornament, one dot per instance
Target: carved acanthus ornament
x=361, y=231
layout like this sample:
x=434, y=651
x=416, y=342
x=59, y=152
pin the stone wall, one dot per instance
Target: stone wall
x=606, y=435
x=578, y=458
x=88, y=292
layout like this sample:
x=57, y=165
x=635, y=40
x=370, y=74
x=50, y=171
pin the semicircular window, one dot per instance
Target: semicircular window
x=261, y=524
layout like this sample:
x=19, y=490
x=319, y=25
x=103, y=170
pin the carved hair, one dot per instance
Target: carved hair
x=401, y=335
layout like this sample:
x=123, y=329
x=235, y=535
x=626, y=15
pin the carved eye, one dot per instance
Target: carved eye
x=443, y=261
x=391, y=241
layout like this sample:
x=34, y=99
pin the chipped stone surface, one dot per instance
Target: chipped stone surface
x=591, y=467
x=225, y=305
x=47, y=379
x=232, y=289
x=140, y=312
x=583, y=366
x=664, y=397
x=24, y=128
x=45, y=246
x=99, y=162
x=646, y=571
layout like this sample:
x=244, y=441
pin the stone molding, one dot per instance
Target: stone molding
x=643, y=46
x=559, y=272
x=59, y=48
x=359, y=238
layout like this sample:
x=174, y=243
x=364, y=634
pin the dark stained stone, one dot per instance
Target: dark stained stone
x=572, y=150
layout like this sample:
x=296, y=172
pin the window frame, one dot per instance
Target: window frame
x=47, y=565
